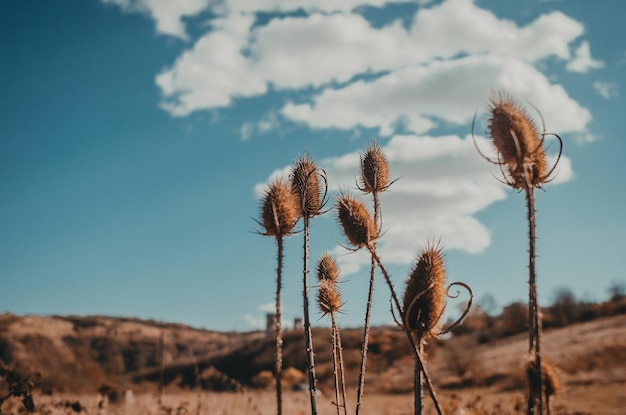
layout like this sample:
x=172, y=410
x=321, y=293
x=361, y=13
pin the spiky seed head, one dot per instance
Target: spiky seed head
x=328, y=298
x=516, y=138
x=327, y=268
x=374, y=170
x=424, y=295
x=356, y=221
x=278, y=209
x=306, y=186
x=551, y=382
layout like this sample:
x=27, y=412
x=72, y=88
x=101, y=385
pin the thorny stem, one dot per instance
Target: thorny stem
x=335, y=369
x=278, y=334
x=307, y=324
x=417, y=380
x=418, y=355
x=342, y=372
x=535, y=396
x=368, y=312
x=338, y=369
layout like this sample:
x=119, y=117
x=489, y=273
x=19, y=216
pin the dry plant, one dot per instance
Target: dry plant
x=374, y=179
x=308, y=187
x=360, y=230
x=18, y=386
x=519, y=145
x=329, y=301
x=278, y=217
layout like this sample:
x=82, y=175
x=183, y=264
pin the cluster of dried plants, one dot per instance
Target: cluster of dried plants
x=521, y=155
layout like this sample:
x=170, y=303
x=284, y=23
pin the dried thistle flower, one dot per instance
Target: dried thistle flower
x=327, y=268
x=356, y=221
x=306, y=186
x=278, y=209
x=328, y=298
x=424, y=295
x=516, y=137
x=374, y=170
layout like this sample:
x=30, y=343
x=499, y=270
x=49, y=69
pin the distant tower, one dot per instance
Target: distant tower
x=270, y=327
x=297, y=323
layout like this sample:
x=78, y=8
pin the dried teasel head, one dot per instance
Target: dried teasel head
x=308, y=186
x=551, y=382
x=424, y=295
x=374, y=170
x=328, y=298
x=278, y=209
x=356, y=221
x=517, y=140
x=327, y=268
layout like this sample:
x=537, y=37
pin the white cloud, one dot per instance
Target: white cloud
x=439, y=90
x=583, y=62
x=443, y=182
x=258, y=320
x=606, y=90
x=235, y=60
x=167, y=14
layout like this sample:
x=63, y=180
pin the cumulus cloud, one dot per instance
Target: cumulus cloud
x=443, y=183
x=583, y=62
x=439, y=90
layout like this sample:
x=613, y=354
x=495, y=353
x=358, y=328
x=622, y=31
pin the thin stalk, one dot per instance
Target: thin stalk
x=342, y=372
x=368, y=312
x=278, y=334
x=418, y=379
x=535, y=400
x=418, y=355
x=307, y=324
x=335, y=363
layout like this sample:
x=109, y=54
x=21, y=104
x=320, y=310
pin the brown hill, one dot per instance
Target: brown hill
x=80, y=354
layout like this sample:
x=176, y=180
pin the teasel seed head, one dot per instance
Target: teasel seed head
x=356, y=221
x=328, y=298
x=327, y=268
x=374, y=170
x=551, y=382
x=306, y=186
x=516, y=138
x=278, y=209
x=424, y=296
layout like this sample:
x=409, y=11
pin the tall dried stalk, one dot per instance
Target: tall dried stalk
x=278, y=216
x=374, y=179
x=308, y=186
x=329, y=301
x=520, y=149
x=360, y=230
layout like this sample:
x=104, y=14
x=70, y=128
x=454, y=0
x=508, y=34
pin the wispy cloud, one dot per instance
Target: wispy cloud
x=583, y=62
x=606, y=90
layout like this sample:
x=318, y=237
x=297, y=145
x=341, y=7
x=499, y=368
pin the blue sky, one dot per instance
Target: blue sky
x=137, y=135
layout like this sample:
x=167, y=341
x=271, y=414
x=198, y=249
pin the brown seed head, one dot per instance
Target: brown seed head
x=327, y=268
x=356, y=221
x=423, y=300
x=278, y=209
x=328, y=298
x=374, y=170
x=551, y=382
x=306, y=186
x=516, y=138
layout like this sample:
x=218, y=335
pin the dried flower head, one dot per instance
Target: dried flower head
x=516, y=138
x=374, y=170
x=278, y=209
x=423, y=300
x=327, y=268
x=306, y=186
x=356, y=221
x=328, y=298
x=551, y=382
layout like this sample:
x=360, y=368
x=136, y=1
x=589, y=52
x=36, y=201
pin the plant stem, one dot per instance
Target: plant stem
x=368, y=312
x=278, y=334
x=418, y=355
x=342, y=372
x=418, y=380
x=535, y=395
x=307, y=324
x=335, y=361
